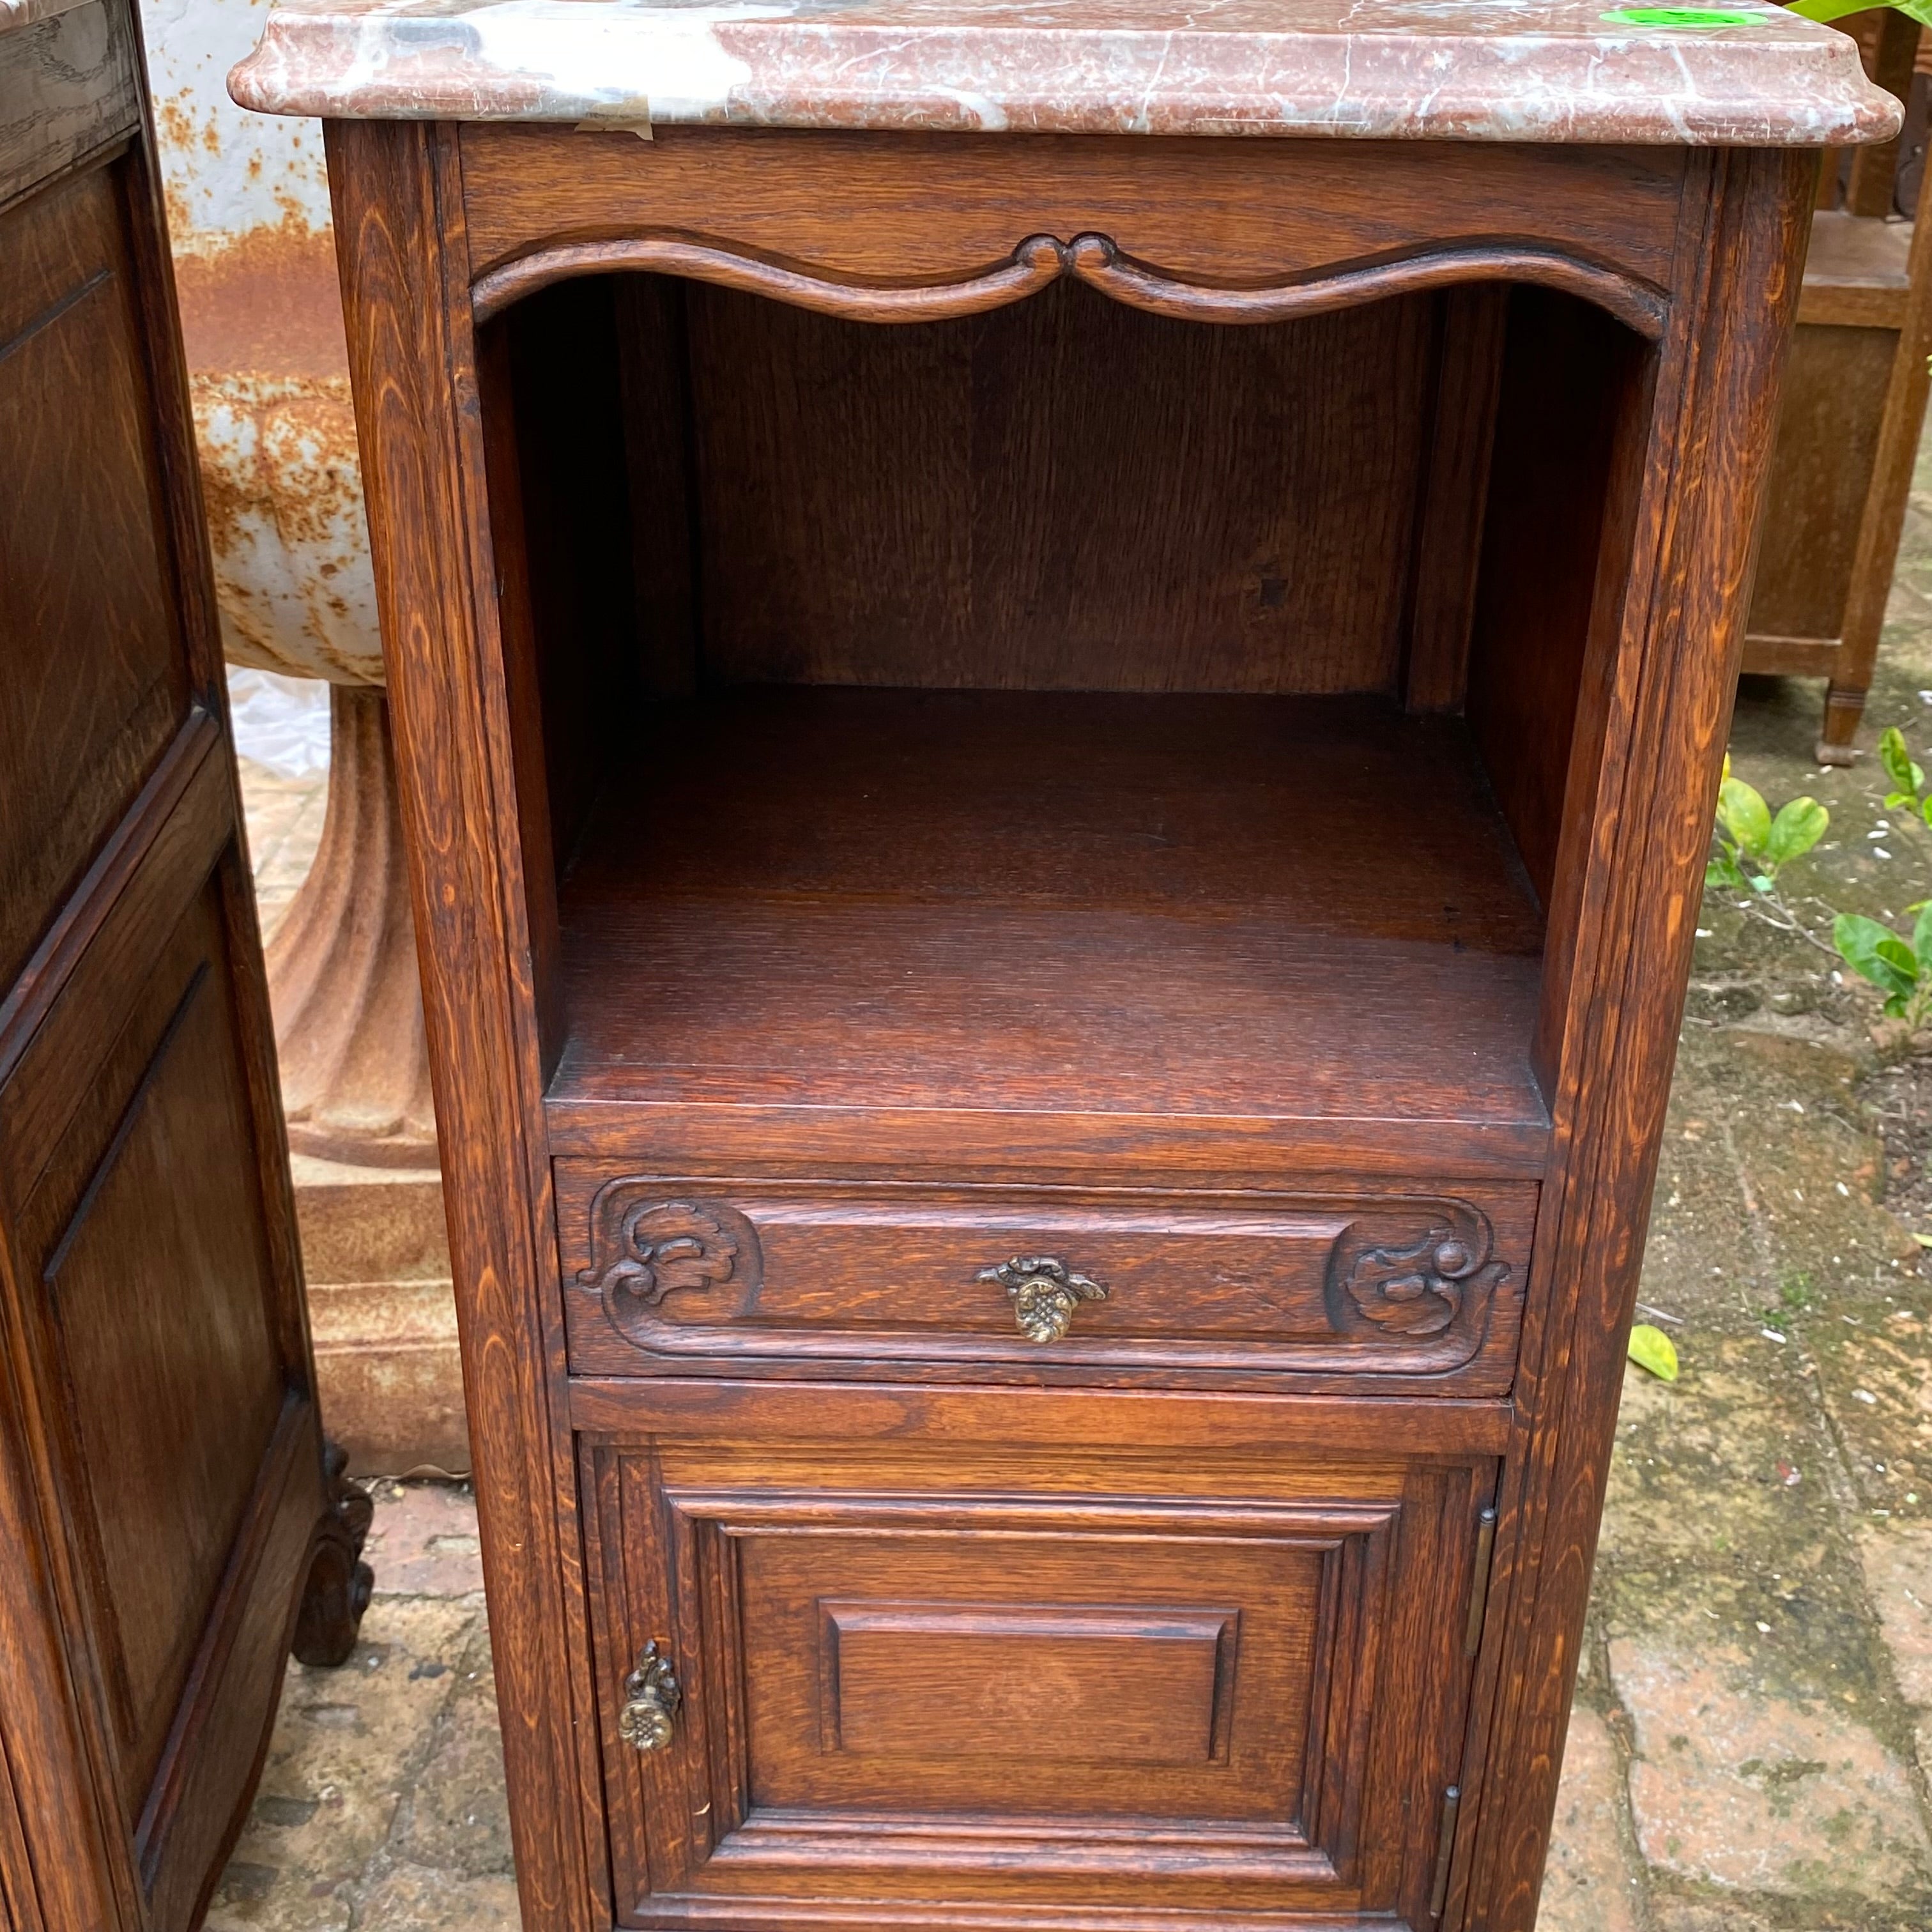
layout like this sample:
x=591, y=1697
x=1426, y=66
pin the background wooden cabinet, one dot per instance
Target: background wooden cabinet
x=1853, y=407
x=170, y=1519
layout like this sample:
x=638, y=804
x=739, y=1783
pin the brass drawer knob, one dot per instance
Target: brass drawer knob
x=651, y=1699
x=1045, y=1292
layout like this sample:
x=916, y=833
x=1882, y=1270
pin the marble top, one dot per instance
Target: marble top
x=17, y=13
x=1447, y=70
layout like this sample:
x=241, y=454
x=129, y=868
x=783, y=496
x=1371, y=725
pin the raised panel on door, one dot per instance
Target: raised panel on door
x=1084, y=1684
x=170, y=1511
x=95, y=682
x=152, y=1253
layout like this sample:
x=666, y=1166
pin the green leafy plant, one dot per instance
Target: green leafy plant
x=1920, y=10
x=1908, y=779
x=1900, y=969
x=1759, y=845
x=1754, y=845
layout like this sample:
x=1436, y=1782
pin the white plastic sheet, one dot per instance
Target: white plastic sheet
x=280, y=722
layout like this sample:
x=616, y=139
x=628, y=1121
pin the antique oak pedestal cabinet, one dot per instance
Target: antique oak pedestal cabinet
x=170, y=1520
x=1057, y=732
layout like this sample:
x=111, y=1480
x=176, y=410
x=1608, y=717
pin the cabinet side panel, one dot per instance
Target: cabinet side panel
x=1828, y=436
x=153, y=1256
x=561, y=359
x=404, y=261
x=1649, y=822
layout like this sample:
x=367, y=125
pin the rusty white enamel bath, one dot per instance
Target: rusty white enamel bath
x=247, y=199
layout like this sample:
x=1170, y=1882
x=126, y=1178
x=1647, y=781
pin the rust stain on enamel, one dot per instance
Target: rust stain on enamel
x=268, y=304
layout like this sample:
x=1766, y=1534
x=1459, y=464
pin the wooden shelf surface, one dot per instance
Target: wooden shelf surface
x=936, y=912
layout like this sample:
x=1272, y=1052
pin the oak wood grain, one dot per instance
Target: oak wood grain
x=901, y=211
x=1275, y=1785
x=405, y=267
x=1175, y=906
x=1455, y=502
x=98, y=684
x=162, y=1476
x=50, y=1029
x=891, y=968
x=69, y=89
x=1681, y=627
x=1066, y=494
x=1274, y=1441
x=1331, y=1294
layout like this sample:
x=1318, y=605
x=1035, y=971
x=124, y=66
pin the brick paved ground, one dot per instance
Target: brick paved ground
x=1753, y=1725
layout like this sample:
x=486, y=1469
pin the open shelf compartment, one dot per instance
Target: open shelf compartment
x=1021, y=901
x=1055, y=729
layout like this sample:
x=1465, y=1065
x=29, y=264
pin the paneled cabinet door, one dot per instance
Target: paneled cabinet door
x=167, y=1510
x=1003, y=1679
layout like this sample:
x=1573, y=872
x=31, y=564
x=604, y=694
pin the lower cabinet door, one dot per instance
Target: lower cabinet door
x=1010, y=1677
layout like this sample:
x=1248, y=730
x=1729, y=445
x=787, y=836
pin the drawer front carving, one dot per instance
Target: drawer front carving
x=1325, y=1289
x=942, y=1670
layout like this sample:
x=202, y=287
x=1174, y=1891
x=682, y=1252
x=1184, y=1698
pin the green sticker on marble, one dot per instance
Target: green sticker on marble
x=1692, y=17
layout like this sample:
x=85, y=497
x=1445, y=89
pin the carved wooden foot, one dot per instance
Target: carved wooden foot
x=1843, y=708
x=339, y=1581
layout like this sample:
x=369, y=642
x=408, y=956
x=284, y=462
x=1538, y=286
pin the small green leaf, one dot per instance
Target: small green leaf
x=1928, y=810
x=1924, y=1241
x=1921, y=941
x=1651, y=1349
x=1905, y=776
x=1797, y=828
x=1745, y=814
x=1877, y=953
x=1894, y=799
x=1722, y=869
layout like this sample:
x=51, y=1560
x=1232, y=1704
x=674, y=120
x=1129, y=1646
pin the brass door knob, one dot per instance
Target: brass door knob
x=651, y=1699
x=1045, y=1292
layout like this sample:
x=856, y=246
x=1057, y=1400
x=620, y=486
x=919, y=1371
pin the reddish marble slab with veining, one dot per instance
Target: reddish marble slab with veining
x=17, y=13
x=1378, y=69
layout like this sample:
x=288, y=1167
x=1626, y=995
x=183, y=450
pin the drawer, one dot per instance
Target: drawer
x=1004, y=1662
x=1317, y=1291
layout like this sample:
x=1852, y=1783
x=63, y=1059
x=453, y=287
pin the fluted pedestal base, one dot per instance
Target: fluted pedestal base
x=354, y=1073
x=342, y=969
